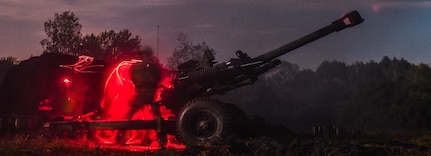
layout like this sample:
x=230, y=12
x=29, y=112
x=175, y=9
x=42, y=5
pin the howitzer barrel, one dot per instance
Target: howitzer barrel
x=349, y=20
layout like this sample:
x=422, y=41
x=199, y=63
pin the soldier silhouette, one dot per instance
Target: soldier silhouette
x=146, y=77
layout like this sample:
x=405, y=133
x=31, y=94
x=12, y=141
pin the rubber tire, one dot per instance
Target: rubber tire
x=202, y=120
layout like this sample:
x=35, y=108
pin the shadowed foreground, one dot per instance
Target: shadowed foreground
x=394, y=143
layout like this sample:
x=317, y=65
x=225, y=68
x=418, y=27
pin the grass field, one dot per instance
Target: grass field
x=389, y=143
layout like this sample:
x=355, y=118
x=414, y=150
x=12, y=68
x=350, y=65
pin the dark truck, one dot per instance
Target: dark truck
x=197, y=116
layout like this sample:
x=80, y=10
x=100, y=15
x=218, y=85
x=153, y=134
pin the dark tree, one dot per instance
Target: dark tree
x=118, y=45
x=110, y=45
x=5, y=64
x=91, y=47
x=187, y=50
x=63, y=34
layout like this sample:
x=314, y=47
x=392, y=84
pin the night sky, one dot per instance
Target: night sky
x=394, y=28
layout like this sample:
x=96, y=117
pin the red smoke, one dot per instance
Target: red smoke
x=119, y=93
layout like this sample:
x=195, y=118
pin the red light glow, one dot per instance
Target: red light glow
x=67, y=81
x=119, y=93
x=83, y=65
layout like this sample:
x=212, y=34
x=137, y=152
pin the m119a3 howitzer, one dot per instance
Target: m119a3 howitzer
x=206, y=78
x=203, y=118
x=198, y=117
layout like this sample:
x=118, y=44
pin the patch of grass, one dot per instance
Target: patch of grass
x=24, y=146
x=387, y=143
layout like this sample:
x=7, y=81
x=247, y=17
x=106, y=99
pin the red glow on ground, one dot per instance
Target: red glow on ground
x=119, y=93
x=135, y=148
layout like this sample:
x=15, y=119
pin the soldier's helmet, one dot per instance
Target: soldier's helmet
x=145, y=52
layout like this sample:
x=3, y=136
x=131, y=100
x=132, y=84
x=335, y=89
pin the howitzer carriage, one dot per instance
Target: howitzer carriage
x=198, y=117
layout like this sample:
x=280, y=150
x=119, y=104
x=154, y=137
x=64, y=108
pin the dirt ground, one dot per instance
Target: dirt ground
x=388, y=143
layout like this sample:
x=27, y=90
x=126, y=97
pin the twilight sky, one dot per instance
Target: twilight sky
x=394, y=28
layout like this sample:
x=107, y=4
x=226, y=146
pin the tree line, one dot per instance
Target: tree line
x=64, y=36
x=392, y=94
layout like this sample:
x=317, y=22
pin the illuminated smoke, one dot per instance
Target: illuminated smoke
x=118, y=95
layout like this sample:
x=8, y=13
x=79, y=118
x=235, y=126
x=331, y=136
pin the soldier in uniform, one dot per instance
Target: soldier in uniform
x=146, y=77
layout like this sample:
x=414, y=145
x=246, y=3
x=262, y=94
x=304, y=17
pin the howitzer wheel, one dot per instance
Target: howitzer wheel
x=202, y=120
